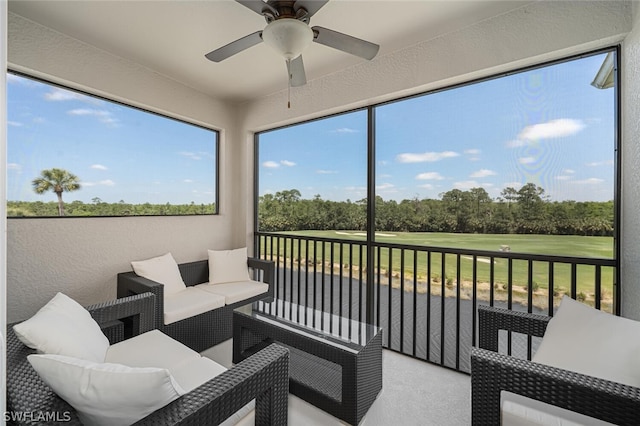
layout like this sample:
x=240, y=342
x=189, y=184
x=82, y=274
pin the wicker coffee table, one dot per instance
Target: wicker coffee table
x=335, y=363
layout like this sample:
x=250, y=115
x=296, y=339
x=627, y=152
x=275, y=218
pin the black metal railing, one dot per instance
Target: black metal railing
x=425, y=298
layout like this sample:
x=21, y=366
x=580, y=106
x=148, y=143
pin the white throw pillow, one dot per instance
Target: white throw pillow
x=64, y=327
x=162, y=269
x=107, y=394
x=226, y=266
x=588, y=341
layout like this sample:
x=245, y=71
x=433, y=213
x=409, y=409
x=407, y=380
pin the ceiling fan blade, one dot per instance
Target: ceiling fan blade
x=311, y=6
x=256, y=5
x=235, y=47
x=295, y=68
x=344, y=42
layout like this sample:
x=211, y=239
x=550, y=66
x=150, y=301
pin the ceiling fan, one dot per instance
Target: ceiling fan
x=289, y=33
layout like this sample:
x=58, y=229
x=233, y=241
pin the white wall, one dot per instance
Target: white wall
x=81, y=257
x=630, y=262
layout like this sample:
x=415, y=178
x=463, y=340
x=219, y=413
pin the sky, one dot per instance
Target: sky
x=546, y=126
x=117, y=152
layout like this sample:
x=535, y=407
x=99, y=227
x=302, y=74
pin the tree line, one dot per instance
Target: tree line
x=524, y=211
x=59, y=181
x=99, y=208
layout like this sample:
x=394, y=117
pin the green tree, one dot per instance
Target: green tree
x=58, y=181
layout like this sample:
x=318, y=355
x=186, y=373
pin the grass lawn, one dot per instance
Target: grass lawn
x=560, y=245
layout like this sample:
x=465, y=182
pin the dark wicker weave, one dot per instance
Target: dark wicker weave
x=492, y=373
x=263, y=377
x=205, y=330
x=343, y=381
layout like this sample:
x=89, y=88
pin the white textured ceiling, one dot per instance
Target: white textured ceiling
x=172, y=37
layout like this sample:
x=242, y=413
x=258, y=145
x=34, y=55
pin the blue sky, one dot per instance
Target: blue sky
x=547, y=126
x=117, y=152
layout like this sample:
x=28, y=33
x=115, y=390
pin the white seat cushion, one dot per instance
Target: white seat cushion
x=162, y=269
x=194, y=373
x=156, y=349
x=236, y=291
x=104, y=393
x=190, y=302
x=151, y=349
x=518, y=410
x=187, y=367
x=64, y=327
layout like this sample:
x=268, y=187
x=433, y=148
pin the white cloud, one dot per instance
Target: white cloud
x=590, y=181
x=385, y=186
x=102, y=115
x=568, y=171
x=600, y=163
x=14, y=123
x=188, y=181
x=473, y=151
x=345, y=130
x=106, y=182
x=429, y=176
x=466, y=184
x=270, y=165
x=526, y=160
x=326, y=172
x=426, y=186
x=99, y=167
x=552, y=129
x=14, y=166
x=287, y=163
x=425, y=157
x=58, y=94
x=191, y=155
x=563, y=177
x=482, y=173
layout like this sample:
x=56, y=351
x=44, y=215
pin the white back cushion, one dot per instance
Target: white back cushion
x=588, y=341
x=162, y=269
x=64, y=327
x=107, y=394
x=227, y=266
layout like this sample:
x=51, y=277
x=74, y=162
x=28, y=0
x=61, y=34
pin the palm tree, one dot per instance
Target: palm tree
x=58, y=181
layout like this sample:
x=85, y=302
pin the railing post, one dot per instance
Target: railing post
x=371, y=218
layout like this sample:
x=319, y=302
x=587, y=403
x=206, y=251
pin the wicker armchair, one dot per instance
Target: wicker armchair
x=205, y=330
x=264, y=376
x=492, y=373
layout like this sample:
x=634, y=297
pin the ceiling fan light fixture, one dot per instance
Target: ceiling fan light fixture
x=288, y=36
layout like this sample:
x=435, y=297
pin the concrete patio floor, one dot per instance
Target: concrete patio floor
x=413, y=393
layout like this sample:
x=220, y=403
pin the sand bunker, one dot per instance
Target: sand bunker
x=364, y=234
x=480, y=259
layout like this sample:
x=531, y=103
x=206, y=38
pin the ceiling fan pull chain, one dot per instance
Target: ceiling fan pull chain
x=289, y=77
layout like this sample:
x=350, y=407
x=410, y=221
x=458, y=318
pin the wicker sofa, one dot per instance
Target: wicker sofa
x=492, y=373
x=263, y=377
x=209, y=328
